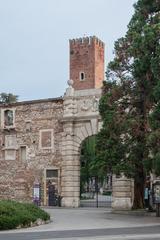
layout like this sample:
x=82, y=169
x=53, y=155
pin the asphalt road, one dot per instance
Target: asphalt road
x=149, y=232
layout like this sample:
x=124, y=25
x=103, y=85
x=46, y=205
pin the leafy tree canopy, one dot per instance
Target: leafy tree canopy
x=130, y=103
x=8, y=98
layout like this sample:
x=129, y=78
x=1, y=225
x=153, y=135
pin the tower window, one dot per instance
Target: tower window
x=81, y=76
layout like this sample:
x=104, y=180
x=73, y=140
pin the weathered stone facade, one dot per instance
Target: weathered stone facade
x=25, y=153
x=45, y=136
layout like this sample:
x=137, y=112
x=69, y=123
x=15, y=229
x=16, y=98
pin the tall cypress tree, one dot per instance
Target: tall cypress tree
x=135, y=70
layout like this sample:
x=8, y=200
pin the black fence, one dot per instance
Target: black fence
x=94, y=194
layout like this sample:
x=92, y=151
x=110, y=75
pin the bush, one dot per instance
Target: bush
x=107, y=193
x=14, y=214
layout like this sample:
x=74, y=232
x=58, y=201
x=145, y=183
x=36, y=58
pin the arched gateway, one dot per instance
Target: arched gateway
x=40, y=140
x=81, y=119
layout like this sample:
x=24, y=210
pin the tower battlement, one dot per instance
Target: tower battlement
x=87, y=41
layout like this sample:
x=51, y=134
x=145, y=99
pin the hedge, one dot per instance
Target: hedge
x=14, y=214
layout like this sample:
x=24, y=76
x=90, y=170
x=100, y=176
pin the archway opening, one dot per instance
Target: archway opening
x=95, y=189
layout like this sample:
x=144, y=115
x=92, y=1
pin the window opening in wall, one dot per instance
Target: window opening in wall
x=51, y=173
x=82, y=76
x=23, y=153
x=28, y=126
x=8, y=118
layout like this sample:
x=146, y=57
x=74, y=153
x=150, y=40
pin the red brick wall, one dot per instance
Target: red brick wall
x=99, y=64
x=87, y=55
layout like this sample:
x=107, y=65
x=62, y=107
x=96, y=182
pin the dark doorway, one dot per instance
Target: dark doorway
x=51, y=195
x=52, y=189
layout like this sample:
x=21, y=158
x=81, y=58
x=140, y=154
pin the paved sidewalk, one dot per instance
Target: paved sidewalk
x=90, y=218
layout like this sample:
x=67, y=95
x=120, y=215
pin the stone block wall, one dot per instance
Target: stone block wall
x=29, y=147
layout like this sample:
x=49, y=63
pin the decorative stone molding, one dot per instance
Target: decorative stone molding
x=10, y=142
x=70, y=89
x=8, y=118
x=46, y=139
x=81, y=103
x=10, y=154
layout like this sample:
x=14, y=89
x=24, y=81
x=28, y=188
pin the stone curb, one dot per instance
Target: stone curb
x=38, y=222
x=135, y=212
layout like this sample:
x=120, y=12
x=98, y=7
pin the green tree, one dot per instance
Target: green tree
x=86, y=159
x=8, y=98
x=109, y=146
x=135, y=70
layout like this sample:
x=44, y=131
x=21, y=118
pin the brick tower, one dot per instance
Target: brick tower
x=86, y=62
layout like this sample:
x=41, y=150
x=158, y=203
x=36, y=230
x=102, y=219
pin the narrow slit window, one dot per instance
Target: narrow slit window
x=82, y=76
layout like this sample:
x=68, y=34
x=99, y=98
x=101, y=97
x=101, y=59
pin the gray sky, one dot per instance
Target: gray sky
x=34, y=34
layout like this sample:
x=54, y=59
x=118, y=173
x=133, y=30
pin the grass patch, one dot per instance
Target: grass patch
x=14, y=214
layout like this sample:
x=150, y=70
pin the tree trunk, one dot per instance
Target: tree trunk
x=139, y=180
x=138, y=193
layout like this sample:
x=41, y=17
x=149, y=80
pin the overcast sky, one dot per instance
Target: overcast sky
x=34, y=34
